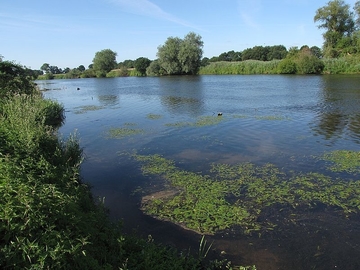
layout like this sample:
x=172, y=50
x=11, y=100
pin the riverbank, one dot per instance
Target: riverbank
x=344, y=65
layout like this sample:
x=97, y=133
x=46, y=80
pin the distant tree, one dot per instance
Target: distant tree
x=276, y=52
x=1, y=57
x=316, y=51
x=287, y=66
x=154, y=69
x=338, y=22
x=45, y=67
x=141, y=64
x=127, y=63
x=66, y=70
x=229, y=56
x=55, y=70
x=205, y=61
x=104, y=61
x=81, y=68
x=90, y=66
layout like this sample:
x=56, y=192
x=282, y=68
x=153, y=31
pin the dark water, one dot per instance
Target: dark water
x=285, y=120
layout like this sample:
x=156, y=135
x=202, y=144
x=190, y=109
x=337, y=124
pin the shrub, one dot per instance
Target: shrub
x=287, y=66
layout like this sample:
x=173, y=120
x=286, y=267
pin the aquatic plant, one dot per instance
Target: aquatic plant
x=238, y=195
x=154, y=116
x=122, y=132
x=87, y=108
x=343, y=160
x=201, y=121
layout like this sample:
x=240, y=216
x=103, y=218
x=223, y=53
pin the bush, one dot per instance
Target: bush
x=14, y=80
x=287, y=66
x=310, y=65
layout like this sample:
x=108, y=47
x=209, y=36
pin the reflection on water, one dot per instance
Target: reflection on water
x=284, y=120
x=339, y=113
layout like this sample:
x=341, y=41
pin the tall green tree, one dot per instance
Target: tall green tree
x=168, y=55
x=181, y=56
x=190, y=53
x=338, y=21
x=104, y=61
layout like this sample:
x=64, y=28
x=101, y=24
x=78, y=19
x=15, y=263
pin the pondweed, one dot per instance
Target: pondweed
x=343, y=160
x=237, y=195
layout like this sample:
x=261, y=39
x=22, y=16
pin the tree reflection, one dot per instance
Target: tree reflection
x=339, y=110
x=108, y=100
x=182, y=94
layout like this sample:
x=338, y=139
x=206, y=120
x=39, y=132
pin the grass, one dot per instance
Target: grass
x=240, y=195
x=201, y=121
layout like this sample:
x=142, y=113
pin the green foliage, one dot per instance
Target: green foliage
x=309, y=64
x=180, y=56
x=103, y=62
x=154, y=69
x=121, y=72
x=266, y=53
x=244, y=67
x=287, y=66
x=239, y=195
x=141, y=64
x=14, y=79
x=338, y=22
x=347, y=64
x=343, y=160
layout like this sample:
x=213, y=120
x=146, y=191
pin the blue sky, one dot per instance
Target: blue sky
x=68, y=33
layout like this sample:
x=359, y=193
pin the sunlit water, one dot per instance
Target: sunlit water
x=284, y=120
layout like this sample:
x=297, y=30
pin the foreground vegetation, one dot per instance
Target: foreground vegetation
x=49, y=219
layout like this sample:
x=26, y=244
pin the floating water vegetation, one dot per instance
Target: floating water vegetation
x=120, y=133
x=154, y=116
x=86, y=108
x=241, y=195
x=271, y=117
x=343, y=161
x=201, y=121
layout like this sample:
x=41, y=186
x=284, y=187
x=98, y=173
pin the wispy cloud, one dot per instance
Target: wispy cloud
x=249, y=11
x=149, y=9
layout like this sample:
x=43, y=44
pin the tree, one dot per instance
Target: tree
x=181, y=56
x=45, y=67
x=338, y=21
x=168, y=55
x=141, y=64
x=81, y=68
x=190, y=53
x=104, y=61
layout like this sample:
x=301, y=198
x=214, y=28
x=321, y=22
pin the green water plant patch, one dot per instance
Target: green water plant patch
x=87, y=108
x=239, y=195
x=343, y=161
x=122, y=132
x=152, y=116
x=201, y=121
